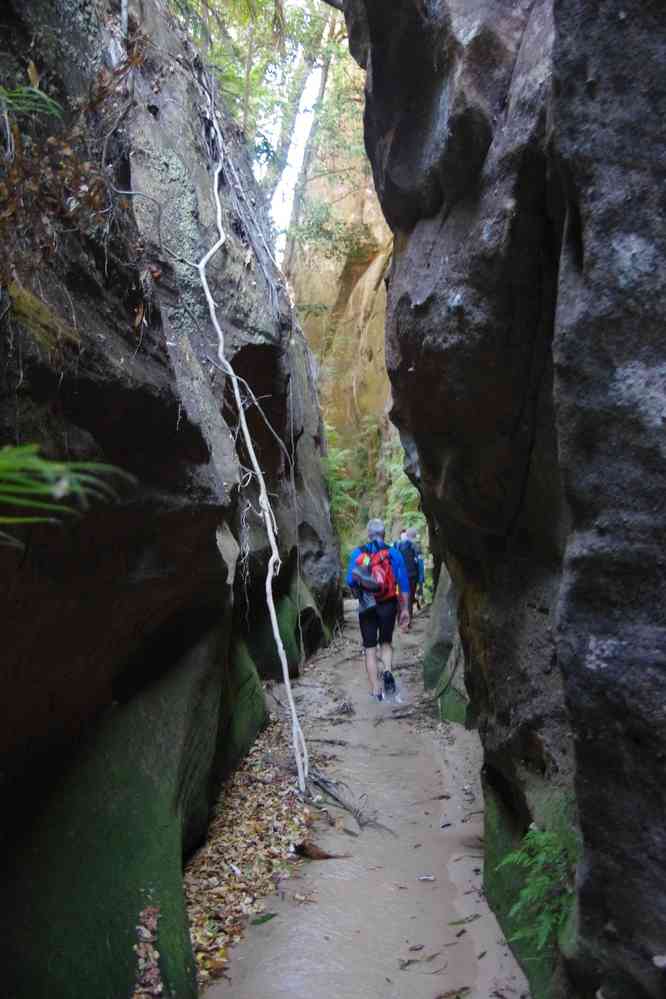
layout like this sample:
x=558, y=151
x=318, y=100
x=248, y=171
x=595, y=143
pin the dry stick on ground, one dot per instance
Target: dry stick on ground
x=268, y=517
x=398, y=716
x=331, y=742
x=329, y=787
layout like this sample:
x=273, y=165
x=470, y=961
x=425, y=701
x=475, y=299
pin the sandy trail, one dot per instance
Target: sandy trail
x=366, y=926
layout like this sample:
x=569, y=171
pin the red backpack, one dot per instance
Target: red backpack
x=381, y=569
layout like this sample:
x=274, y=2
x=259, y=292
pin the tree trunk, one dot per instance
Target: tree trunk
x=304, y=67
x=248, y=80
x=308, y=158
x=206, y=38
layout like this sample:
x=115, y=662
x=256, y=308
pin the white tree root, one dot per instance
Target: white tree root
x=266, y=510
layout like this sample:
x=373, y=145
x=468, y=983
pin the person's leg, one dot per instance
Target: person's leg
x=369, y=625
x=371, y=668
x=387, y=613
x=386, y=655
x=412, y=595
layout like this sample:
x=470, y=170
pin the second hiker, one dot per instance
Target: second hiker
x=375, y=574
x=408, y=550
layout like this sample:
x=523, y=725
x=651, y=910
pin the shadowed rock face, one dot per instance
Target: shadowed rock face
x=133, y=636
x=611, y=407
x=517, y=155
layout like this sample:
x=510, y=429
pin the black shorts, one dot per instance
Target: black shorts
x=378, y=622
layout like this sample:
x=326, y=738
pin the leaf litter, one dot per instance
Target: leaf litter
x=257, y=823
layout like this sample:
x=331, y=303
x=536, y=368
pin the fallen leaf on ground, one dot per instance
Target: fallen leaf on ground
x=454, y=993
x=249, y=850
x=313, y=852
x=33, y=75
x=467, y=919
x=263, y=918
x=405, y=962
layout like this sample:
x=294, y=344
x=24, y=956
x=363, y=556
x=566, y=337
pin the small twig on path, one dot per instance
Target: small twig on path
x=329, y=787
x=277, y=699
x=397, y=716
x=332, y=742
x=426, y=801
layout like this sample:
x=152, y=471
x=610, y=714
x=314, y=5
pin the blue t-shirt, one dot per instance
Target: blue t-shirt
x=397, y=561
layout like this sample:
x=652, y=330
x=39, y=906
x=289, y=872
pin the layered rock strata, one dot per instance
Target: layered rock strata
x=135, y=634
x=517, y=156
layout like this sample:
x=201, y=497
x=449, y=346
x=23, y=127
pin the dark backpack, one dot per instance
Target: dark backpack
x=382, y=572
x=408, y=552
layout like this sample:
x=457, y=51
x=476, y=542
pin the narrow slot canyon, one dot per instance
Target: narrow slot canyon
x=332, y=469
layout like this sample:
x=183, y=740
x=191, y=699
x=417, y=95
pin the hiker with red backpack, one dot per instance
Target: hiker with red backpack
x=378, y=577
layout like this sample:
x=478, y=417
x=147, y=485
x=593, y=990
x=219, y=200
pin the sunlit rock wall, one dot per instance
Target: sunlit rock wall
x=340, y=294
x=517, y=154
x=134, y=635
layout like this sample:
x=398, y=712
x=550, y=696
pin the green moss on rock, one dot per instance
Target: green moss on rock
x=297, y=612
x=105, y=838
x=453, y=706
x=552, y=810
x=502, y=888
x=450, y=688
x=47, y=328
x=434, y=664
x=443, y=662
x=248, y=714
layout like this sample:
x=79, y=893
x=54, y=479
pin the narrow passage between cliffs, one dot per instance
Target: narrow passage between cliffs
x=400, y=912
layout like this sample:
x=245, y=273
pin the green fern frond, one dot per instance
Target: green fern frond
x=29, y=101
x=30, y=482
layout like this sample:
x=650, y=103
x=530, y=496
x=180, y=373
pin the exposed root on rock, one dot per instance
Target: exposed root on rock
x=265, y=508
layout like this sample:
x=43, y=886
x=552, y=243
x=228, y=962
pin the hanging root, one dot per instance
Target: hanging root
x=265, y=508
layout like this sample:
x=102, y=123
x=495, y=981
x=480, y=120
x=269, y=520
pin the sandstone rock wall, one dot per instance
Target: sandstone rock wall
x=518, y=158
x=134, y=634
x=340, y=293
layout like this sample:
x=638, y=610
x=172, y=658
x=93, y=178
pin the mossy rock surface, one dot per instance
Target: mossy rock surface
x=45, y=326
x=502, y=888
x=443, y=662
x=450, y=690
x=105, y=837
x=434, y=664
x=453, y=706
x=297, y=614
x=552, y=810
x=247, y=710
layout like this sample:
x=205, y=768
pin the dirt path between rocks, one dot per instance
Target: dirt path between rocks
x=403, y=915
